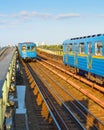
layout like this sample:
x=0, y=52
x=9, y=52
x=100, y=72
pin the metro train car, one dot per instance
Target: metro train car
x=27, y=51
x=85, y=55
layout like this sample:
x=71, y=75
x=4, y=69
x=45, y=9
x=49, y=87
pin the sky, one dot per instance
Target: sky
x=49, y=21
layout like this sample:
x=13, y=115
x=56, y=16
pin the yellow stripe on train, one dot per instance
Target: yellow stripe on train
x=98, y=57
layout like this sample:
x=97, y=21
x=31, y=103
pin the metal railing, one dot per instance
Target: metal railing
x=10, y=78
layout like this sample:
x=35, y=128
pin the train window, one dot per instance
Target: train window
x=23, y=48
x=69, y=47
x=81, y=48
x=89, y=48
x=98, y=48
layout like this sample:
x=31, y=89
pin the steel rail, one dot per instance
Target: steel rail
x=78, y=103
x=66, y=107
x=98, y=101
x=45, y=99
x=68, y=110
x=101, y=89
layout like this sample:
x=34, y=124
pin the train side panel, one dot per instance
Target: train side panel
x=98, y=66
x=86, y=54
x=71, y=60
x=82, y=63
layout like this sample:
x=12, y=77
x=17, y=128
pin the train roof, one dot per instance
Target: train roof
x=26, y=43
x=88, y=38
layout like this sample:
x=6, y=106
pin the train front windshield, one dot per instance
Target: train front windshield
x=28, y=48
x=23, y=48
x=33, y=48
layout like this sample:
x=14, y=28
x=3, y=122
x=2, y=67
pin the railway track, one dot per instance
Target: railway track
x=39, y=117
x=57, y=60
x=60, y=118
x=82, y=88
x=72, y=110
x=4, y=52
x=95, y=95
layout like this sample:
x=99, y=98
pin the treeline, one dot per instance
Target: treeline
x=52, y=47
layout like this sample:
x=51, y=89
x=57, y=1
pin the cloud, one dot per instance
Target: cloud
x=9, y=23
x=3, y=15
x=26, y=16
x=30, y=15
x=3, y=22
x=102, y=15
x=67, y=16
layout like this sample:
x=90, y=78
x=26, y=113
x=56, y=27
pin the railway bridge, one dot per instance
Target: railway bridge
x=45, y=94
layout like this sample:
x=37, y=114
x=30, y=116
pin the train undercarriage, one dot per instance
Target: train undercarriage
x=92, y=77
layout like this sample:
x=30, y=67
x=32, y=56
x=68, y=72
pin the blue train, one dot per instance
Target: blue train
x=85, y=55
x=27, y=50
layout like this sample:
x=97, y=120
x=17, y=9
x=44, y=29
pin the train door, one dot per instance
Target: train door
x=76, y=54
x=28, y=48
x=65, y=55
x=89, y=63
